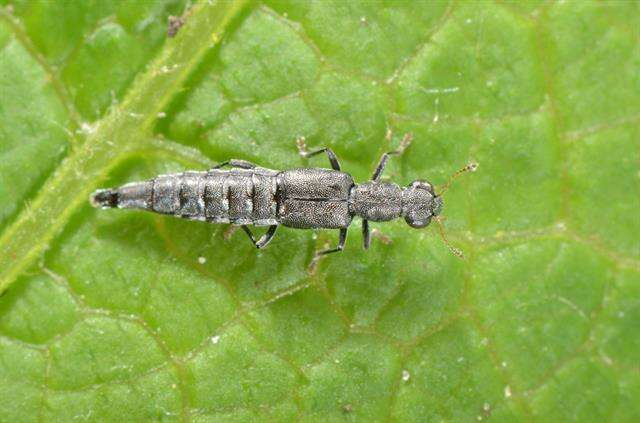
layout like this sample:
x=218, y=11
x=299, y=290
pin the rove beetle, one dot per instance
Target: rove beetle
x=303, y=198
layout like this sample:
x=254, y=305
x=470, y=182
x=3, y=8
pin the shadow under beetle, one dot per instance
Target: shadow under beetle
x=303, y=198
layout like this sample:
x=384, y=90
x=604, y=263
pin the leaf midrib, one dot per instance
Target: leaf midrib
x=127, y=126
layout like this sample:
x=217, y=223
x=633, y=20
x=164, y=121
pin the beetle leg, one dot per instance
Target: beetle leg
x=302, y=149
x=341, y=241
x=242, y=164
x=406, y=140
x=264, y=239
x=366, y=236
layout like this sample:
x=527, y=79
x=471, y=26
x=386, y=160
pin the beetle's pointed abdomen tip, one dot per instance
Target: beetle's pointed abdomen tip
x=104, y=199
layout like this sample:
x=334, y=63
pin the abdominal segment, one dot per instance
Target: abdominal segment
x=238, y=196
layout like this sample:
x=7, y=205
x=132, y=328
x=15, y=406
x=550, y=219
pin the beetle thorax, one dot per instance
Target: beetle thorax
x=376, y=201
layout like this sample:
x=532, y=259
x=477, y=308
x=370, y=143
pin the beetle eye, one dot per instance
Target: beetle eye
x=422, y=185
x=417, y=223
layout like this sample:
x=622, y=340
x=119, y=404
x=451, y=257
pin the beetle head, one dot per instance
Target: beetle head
x=420, y=203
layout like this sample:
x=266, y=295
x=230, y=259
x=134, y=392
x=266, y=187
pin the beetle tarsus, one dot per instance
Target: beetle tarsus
x=264, y=239
x=406, y=140
x=302, y=149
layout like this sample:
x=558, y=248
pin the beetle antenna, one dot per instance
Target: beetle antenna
x=458, y=253
x=471, y=167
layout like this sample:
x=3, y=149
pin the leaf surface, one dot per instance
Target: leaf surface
x=114, y=315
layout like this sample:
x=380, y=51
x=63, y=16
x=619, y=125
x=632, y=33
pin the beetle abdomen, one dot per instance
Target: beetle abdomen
x=241, y=196
x=238, y=196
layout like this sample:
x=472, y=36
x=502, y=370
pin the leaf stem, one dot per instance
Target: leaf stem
x=127, y=125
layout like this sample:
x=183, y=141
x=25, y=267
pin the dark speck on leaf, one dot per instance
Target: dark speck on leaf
x=174, y=24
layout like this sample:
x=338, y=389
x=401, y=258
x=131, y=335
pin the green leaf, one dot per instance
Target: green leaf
x=122, y=315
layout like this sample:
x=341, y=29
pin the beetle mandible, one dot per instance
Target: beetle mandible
x=303, y=198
